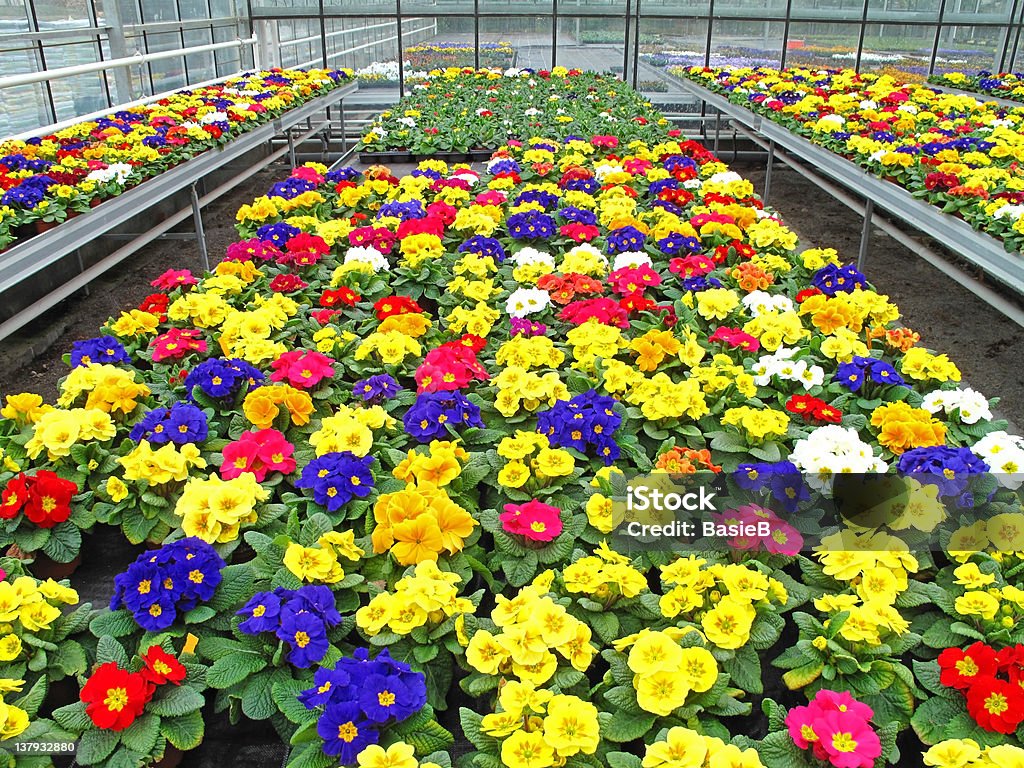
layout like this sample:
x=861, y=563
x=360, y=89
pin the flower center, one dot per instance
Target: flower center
x=117, y=699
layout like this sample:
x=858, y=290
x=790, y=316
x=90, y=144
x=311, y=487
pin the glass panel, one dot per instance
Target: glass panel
x=968, y=49
x=594, y=44
x=159, y=10
x=516, y=6
x=367, y=7
x=228, y=60
x=14, y=17
x=370, y=48
x=300, y=43
x=897, y=49
x=751, y=9
x=829, y=10
x=223, y=8
x=670, y=43
x=168, y=74
x=891, y=11
x=674, y=8
x=975, y=11
x=117, y=12
x=193, y=9
x=62, y=14
x=24, y=107
x=820, y=44
x=610, y=7
x=746, y=43
x=435, y=43
x=199, y=66
x=532, y=36
x=285, y=7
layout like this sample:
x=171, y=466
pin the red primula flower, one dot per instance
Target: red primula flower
x=995, y=705
x=49, y=498
x=962, y=668
x=14, y=497
x=161, y=667
x=395, y=305
x=115, y=697
x=334, y=297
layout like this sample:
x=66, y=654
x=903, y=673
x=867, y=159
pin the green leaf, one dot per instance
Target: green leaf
x=927, y=674
x=428, y=737
x=311, y=756
x=932, y=719
x=70, y=658
x=95, y=745
x=778, y=750
x=286, y=697
x=113, y=623
x=258, y=696
x=745, y=670
x=185, y=731
x=520, y=570
x=625, y=726
x=236, y=585
x=199, y=614
x=64, y=543
x=622, y=760
x=623, y=698
x=108, y=649
x=228, y=670
x=173, y=701
x=142, y=734
x=73, y=717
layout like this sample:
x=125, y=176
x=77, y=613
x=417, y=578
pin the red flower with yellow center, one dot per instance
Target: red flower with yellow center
x=114, y=697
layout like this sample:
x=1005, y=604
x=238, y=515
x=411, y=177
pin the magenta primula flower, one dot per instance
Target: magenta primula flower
x=533, y=520
x=260, y=452
x=838, y=729
x=302, y=368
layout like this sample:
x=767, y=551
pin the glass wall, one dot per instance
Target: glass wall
x=37, y=35
x=392, y=42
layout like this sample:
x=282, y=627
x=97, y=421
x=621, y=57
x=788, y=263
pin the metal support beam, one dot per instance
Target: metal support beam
x=865, y=235
x=197, y=218
x=768, y=171
x=291, y=148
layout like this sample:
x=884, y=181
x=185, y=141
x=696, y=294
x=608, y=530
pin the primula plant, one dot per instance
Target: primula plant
x=133, y=708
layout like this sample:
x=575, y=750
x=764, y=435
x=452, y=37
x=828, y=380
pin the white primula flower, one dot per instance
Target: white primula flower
x=366, y=255
x=532, y=256
x=725, y=177
x=758, y=302
x=526, y=301
x=118, y=172
x=972, y=404
x=214, y=117
x=631, y=259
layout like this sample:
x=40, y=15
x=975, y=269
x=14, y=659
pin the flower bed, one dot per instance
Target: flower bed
x=380, y=456
x=954, y=151
x=45, y=180
x=442, y=55
x=460, y=111
x=1006, y=85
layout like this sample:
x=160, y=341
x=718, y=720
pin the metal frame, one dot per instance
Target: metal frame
x=823, y=167
x=22, y=261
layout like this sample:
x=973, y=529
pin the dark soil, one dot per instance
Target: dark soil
x=985, y=345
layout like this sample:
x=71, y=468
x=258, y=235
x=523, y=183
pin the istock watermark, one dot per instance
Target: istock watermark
x=779, y=510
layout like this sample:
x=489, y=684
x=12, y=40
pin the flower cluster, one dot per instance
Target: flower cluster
x=990, y=680
x=114, y=697
x=426, y=597
x=836, y=728
x=163, y=585
x=360, y=697
x=300, y=618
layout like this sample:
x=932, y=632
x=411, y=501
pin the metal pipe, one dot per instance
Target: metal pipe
x=28, y=78
x=865, y=235
x=197, y=217
x=768, y=171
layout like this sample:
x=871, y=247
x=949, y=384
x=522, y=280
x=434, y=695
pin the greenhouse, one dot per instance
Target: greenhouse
x=536, y=384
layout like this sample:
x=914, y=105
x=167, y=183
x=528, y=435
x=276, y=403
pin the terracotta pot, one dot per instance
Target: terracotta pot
x=45, y=568
x=45, y=226
x=172, y=757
